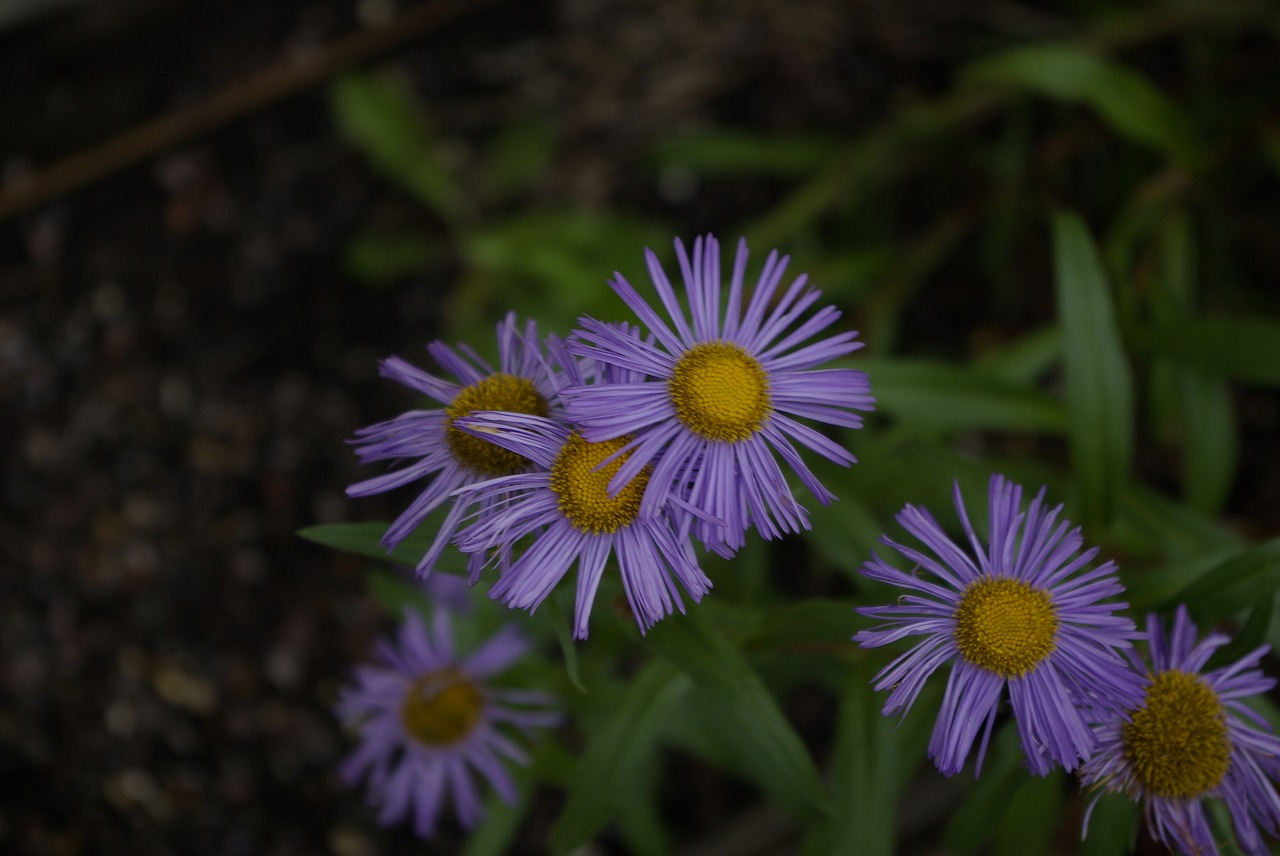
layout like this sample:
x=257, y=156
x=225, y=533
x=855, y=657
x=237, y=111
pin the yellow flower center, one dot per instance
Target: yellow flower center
x=441, y=707
x=1005, y=626
x=496, y=392
x=1177, y=745
x=583, y=490
x=720, y=392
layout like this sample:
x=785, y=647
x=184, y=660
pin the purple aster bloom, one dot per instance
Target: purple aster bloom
x=1190, y=739
x=712, y=410
x=434, y=448
x=569, y=507
x=430, y=727
x=1023, y=613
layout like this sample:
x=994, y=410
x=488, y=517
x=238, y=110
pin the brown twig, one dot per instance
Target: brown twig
x=281, y=81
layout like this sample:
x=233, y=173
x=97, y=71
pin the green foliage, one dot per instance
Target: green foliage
x=1099, y=391
x=1105, y=357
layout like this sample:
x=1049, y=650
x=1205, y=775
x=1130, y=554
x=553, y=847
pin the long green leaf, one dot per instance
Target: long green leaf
x=364, y=539
x=1232, y=586
x=1113, y=826
x=866, y=759
x=618, y=746
x=1125, y=100
x=777, y=757
x=947, y=397
x=387, y=124
x=1099, y=390
x=1246, y=349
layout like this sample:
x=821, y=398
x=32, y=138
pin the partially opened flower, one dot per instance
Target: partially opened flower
x=568, y=508
x=717, y=398
x=1022, y=613
x=1191, y=739
x=434, y=448
x=431, y=728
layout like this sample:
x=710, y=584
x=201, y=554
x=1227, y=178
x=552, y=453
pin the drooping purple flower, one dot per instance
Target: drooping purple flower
x=1192, y=738
x=435, y=448
x=431, y=728
x=1022, y=613
x=572, y=513
x=715, y=408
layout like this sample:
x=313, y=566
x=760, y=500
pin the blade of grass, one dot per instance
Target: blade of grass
x=1099, y=390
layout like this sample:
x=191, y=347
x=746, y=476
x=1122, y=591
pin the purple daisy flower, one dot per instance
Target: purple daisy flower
x=434, y=446
x=1022, y=613
x=1190, y=739
x=429, y=726
x=715, y=399
x=569, y=506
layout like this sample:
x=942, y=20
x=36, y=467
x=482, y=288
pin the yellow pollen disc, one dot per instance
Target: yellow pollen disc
x=720, y=392
x=496, y=392
x=1177, y=745
x=441, y=707
x=1005, y=626
x=583, y=490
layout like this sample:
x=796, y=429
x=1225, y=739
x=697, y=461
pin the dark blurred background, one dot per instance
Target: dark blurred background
x=189, y=334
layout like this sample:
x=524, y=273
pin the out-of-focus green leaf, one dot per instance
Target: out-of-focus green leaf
x=1125, y=100
x=394, y=592
x=618, y=745
x=774, y=753
x=1155, y=524
x=517, y=158
x=1099, y=390
x=364, y=539
x=1256, y=627
x=1113, y=826
x=381, y=259
x=1246, y=349
x=554, y=266
x=1028, y=821
x=866, y=760
x=1023, y=360
x=560, y=624
x=723, y=152
x=1210, y=440
x=639, y=821
x=1234, y=585
x=944, y=397
x=805, y=624
x=384, y=121
x=974, y=823
x=501, y=820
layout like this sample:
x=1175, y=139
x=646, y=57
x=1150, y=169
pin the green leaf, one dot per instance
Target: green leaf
x=973, y=824
x=617, y=747
x=1246, y=349
x=386, y=123
x=724, y=152
x=394, y=592
x=828, y=624
x=1256, y=628
x=1113, y=826
x=560, y=624
x=1232, y=586
x=1024, y=360
x=866, y=760
x=1099, y=390
x=364, y=539
x=381, y=259
x=1017, y=833
x=502, y=821
x=1124, y=99
x=946, y=397
x=777, y=757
